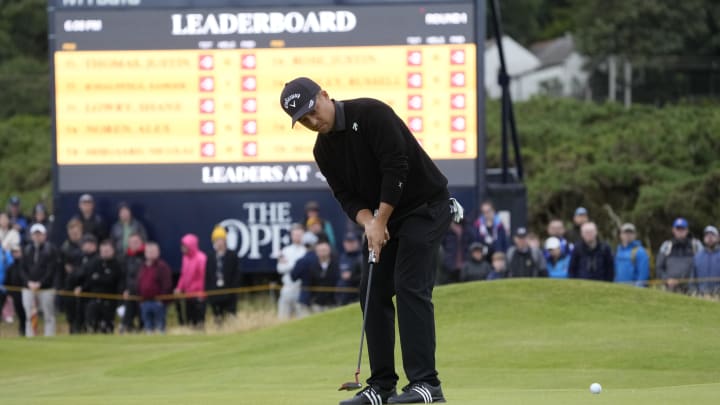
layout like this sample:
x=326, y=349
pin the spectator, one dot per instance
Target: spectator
x=707, y=264
x=40, y=215
x=476, y=267
x=302, y=272
x=455, y=246
x=675, y=260
x=523, y=260
x=6, y=260
x=133, y=261
x=557, y=262
x=125, y=226
x=192, y=281
x=632, y=264
x=101, y=276
x=17, y=219
x=499, y=266
x=490, y=229
x=350, y=268
x=223, y=272
x=13, y=278
x=556, y=229
x=289, y=255
x=592, y=258
x=92, y=222
x=40, y=264
x=533, y=241
x=315, y=225
x=75, y=252
x=154, y=280
x=312, y=210
x=323, y=277
x=9, y=236
x=580, y=217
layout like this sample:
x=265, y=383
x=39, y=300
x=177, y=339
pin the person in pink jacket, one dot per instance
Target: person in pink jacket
x=192, y=280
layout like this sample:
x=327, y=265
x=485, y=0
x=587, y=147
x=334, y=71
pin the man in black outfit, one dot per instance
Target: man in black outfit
x=372, y=162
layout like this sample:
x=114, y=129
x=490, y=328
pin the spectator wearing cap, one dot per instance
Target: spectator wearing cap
x=13, y=278
x=557, y=261
x=490, y=230
x=222, y=273
x=676, y=257
x=499, y=266
x=524, y=260
x=40, y=215
x=91, y=220
x=125, y=226
x=18, y=221
x=706, y=272
x=632, y=264
x=302, y=271
x=592, y=259
x=288, y=302
x=40, y=265
x=581, y=216
x=350, y=267
x=9, y=236
x=312, y=212
x=71, y=256
x=476, y=268
x=455, y=244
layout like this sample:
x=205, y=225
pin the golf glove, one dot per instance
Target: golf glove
x=456, y=210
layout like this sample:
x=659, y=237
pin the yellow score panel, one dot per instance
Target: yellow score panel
x=196, y=106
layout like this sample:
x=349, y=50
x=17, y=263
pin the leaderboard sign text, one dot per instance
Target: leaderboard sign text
x=188, y=99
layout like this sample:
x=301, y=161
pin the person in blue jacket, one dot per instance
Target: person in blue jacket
x=632, y=263
x=557, y=261
x=706, y=272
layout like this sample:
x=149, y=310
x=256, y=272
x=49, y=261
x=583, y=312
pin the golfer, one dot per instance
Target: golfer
x=372, y=162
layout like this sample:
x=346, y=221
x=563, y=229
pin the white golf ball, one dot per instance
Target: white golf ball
x=595, y=388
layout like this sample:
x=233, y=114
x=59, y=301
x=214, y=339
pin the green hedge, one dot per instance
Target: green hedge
x=645, y=165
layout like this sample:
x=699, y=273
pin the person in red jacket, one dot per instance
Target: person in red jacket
x=192, y=280
x=154, y=279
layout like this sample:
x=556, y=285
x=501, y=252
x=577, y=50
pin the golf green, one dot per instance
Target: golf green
x=500, y=342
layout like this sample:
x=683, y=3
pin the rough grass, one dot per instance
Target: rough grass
x=506, y=342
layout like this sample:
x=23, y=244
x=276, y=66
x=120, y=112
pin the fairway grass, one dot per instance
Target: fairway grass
x=503, y=342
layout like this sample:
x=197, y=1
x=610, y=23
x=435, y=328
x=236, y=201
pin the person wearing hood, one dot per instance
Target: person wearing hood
x=192, y=280
x=632, y=264
x=476, y=268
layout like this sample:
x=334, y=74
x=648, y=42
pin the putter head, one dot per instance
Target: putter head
x=350, y=386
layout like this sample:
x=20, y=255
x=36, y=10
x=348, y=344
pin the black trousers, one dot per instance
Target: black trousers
x=100, y=315
x=195, y=312
x=406, y=268
x=18, y=306
x=132, y=312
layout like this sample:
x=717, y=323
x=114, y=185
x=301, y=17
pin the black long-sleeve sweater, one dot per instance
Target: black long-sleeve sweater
x=371, y=156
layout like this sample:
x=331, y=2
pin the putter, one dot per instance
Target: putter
x=355, y=385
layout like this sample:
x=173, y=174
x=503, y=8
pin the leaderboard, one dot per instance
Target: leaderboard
x=176, y=97
x=190, y=106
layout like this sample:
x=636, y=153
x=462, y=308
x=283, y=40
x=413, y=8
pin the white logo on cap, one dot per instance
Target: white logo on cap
x=292, y=104
x=311, y=103
x=288, y=99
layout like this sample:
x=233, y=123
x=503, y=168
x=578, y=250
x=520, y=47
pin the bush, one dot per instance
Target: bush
x=645, y=165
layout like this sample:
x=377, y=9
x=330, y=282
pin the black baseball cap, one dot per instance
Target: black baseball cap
x=298, y=97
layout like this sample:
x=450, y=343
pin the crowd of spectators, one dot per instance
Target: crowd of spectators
x=482, y=249
x=113, y=278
